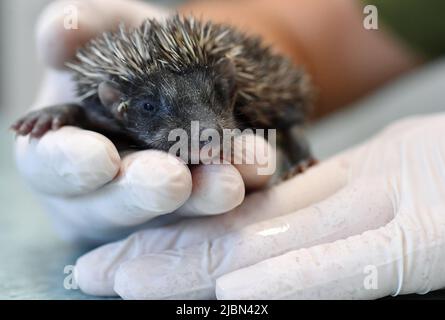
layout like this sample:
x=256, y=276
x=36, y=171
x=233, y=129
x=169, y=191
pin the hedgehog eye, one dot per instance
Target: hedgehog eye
x=148, y=107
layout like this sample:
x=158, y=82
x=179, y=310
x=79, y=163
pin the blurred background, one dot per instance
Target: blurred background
x=32, y=257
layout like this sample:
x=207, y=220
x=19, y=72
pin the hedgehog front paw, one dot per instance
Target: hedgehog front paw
x=37, y=123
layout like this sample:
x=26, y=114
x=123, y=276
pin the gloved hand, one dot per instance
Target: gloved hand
x=93, y=193
x=367, y=223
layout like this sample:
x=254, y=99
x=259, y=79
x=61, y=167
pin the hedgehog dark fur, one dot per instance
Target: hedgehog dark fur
x=180, y=69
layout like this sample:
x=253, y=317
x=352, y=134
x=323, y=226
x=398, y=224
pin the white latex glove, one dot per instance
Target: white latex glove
x=93, y=193
x=377, y=211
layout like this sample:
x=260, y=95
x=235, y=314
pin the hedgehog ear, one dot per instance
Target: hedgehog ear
x=226, y=76
x=111, y=98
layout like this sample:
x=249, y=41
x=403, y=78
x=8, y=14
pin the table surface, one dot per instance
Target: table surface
x=33, y=258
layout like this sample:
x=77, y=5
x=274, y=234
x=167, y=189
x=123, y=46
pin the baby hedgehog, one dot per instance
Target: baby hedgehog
x=136, y=85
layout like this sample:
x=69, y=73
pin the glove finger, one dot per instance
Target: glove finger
x=96, y=269
x=190, y=272
x=151, y=183
x=216, y=189
x=220, y=188
x=69, y=161
x=64, y=26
